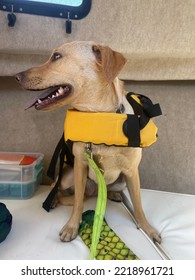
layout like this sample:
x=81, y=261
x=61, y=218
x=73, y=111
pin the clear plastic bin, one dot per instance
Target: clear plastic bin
x=21, y=181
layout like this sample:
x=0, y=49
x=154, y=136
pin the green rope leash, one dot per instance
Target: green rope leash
x=100, y=206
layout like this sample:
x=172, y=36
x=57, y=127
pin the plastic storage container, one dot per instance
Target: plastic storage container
x=21, y=181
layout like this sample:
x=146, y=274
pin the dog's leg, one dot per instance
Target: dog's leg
x=70, y=230
x=66, y=188
x=63, y=200
x=133, y=184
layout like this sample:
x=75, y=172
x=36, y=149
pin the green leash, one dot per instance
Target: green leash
x=100, y=206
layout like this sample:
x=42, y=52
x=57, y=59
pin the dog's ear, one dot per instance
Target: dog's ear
x=111, y=61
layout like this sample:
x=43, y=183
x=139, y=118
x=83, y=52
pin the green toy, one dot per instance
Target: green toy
x=109, y=245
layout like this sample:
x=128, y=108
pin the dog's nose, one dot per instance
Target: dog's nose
x=19, y=77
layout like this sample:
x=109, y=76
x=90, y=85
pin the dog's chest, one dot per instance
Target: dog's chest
x=111, y=161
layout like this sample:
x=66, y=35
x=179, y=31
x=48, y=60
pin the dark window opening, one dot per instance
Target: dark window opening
x=69, y=9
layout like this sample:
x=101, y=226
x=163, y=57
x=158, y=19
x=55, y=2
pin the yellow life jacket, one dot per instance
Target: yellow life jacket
x=136, y=130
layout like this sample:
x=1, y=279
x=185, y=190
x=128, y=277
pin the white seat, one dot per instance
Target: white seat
x=34, y=233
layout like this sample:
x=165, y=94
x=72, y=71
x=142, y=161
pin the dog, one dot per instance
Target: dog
x=85, y=76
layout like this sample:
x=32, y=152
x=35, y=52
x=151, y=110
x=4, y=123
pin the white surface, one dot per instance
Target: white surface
x=34, y=233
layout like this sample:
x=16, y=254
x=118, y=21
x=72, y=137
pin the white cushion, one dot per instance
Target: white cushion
x=34, y=233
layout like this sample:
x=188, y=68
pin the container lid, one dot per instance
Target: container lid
x=18, y=159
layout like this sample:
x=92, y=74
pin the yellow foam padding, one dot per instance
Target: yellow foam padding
x=103, y=128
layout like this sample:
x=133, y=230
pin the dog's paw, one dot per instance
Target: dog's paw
x=115, y=196
x=154, y=235
x=151, y=232
x=68, y=233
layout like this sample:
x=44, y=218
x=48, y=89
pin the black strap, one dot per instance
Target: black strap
x=62, y=151
x=52, y=166
x=150, y=109
x=147, y=107
x=137, y=108
x=48, y=201
x=134, y=124
x=62, y=145
x=131, y=129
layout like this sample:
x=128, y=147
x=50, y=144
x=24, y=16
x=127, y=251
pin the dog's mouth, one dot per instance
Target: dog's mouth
x=50, y=96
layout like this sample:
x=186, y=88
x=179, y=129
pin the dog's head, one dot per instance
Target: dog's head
x=72, y=72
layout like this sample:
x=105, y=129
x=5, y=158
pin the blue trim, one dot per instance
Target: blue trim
x=45, y=9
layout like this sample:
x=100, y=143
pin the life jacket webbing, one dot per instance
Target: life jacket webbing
x=63, y=152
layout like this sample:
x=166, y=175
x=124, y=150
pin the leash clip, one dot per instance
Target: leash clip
x=88, y=149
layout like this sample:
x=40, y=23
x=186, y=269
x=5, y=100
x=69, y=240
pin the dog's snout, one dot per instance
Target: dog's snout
x=19, y=77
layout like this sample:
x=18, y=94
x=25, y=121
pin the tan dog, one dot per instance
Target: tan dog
x=84, y=75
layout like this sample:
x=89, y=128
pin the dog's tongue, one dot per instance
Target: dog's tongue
x=42, y=96
x=32, y=103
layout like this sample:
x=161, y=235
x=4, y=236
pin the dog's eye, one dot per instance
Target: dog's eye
x=56, y=56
